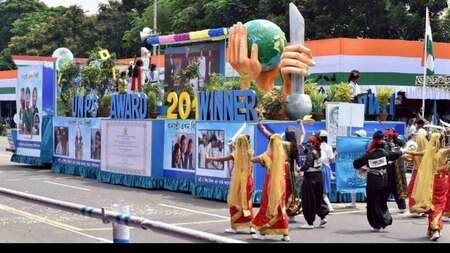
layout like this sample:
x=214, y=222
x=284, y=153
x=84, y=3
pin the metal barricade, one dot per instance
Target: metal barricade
x=110, y=216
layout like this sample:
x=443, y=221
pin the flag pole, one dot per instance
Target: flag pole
x=425, y=64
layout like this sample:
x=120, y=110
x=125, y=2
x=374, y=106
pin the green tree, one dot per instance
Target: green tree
x=137, y=6
x=6, y=62
x=443, y=23
x=98, y=73
x=131, y=37
x=397, y=19
x=232, y=11
x=69, y=72
x=10, y=11
x=113, y=20
x=67, y=27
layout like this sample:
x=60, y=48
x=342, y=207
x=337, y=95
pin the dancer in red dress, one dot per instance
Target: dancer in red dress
x=272, y=217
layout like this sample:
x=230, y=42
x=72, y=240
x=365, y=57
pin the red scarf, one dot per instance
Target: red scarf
x=314, y=139
x=373, y=143
x=391, y=133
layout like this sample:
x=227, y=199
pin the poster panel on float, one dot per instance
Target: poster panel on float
x=212, y=141
x=126, y=147
x=29, y=102
x=332, y=123
x=180, y=149
x=208, y=57
x=77, y=141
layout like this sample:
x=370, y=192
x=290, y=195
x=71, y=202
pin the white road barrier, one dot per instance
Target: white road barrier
x=120, y=218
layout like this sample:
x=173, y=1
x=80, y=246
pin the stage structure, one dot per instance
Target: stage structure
x=132, y=150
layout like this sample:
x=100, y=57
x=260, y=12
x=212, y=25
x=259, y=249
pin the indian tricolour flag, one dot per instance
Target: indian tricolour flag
x=429, y=51
x=380, y=61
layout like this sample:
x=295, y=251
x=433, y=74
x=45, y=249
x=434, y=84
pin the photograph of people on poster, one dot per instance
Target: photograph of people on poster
x=78, y=144
x=230, y=163
x=204, y=57
x=72, y=138
x=217, y=140
x=211, y=143
x=21, y=110
x=183, y=151
x=96, y=142
x=26, y=116
x=29, y=103
x=61, y=141
x=35, y=119
x=169, y=69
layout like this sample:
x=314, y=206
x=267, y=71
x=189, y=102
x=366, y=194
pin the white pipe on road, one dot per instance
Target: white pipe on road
x=108, y=216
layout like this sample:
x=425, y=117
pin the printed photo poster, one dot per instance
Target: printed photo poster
x=332, y=123
x=29, y=110
x=180, y=149
x=206, y=56
x=74, y=140
x=125, y=147
x=213, y=140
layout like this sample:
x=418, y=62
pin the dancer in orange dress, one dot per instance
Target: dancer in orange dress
x=241, y=185
x=272, y=218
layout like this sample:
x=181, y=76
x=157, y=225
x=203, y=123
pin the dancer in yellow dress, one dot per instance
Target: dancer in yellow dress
x=241, y=185
x=431, y=186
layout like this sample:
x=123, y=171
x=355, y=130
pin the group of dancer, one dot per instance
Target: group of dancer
x=281, y=191
x=280, y=200
x=428, y=190
x=428, y=187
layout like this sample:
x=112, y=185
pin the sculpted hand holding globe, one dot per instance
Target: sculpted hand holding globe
x=269, y=55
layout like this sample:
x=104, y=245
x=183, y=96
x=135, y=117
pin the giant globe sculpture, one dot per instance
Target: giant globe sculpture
x=270, y=39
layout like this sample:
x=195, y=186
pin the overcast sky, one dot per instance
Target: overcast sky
x=87, y=5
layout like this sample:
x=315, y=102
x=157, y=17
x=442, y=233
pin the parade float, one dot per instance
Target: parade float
x=129, y=149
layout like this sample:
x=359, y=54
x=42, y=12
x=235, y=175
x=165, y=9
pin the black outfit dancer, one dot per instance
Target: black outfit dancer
x=377, y=158
x=312, y=187
x=400, y=190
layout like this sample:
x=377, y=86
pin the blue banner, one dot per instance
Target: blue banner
x=77, y=142
x=48, y=92
x=349, y=149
